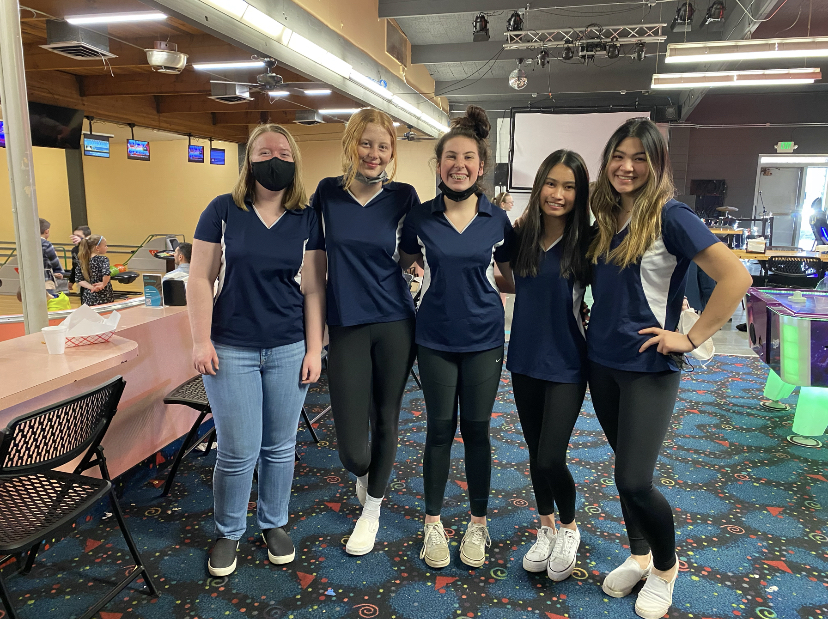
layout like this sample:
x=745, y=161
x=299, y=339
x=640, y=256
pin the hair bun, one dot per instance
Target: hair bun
x=476, y=120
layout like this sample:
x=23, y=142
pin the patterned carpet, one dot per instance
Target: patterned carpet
x=750, y=512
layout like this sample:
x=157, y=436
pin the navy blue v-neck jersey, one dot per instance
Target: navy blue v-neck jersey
x=460, y=308
x=547, y=338
x=365, y=282
x=259, y=302
x=645, y=294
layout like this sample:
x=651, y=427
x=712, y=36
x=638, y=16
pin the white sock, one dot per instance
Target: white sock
x=363, y=481
x=371, y=510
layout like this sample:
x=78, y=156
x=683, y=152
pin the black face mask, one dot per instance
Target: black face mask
x=274, y=174
x=457, y=196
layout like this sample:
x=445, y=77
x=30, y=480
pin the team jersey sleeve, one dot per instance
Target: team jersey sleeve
x=209, y=226
x=316, y=237
x=504, y=252
x=408, y=235
x=684, y=234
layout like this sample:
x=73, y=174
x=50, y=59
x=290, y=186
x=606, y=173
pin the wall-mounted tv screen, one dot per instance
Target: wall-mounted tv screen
x=96, y=146
x=2, y=135
x=54, y=126
x=195, y=154
x=138, y=149
x=217, y=156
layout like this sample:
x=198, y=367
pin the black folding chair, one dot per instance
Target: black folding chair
x=191, y=393
x=36, y=500
x=794, y=272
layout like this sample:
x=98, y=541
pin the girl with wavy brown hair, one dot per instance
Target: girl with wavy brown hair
x=644, y=244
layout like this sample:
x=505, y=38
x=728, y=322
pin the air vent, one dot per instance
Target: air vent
x=308, y=118
x=229, y=92
x=68, y=40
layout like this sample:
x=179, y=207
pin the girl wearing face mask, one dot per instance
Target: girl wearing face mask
x=370, y=311
x=460, y=327
x=258, y=344
x=547, y=348
x=643, y=247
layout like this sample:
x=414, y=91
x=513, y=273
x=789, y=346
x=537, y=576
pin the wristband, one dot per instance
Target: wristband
x=687, y=335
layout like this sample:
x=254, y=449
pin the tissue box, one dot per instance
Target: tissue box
x=756, y=246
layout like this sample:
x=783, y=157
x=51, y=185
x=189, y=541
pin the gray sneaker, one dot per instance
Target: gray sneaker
x=222, y=560
x=474, y=544
x=435, y=550
x=623, y=579
x=280, y=548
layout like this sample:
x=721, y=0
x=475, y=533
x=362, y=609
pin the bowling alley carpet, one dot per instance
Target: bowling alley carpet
x=750, y=512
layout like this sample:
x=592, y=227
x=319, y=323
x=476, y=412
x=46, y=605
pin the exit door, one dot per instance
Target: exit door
x=779, y=190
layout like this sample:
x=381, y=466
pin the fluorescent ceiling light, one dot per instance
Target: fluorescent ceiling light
x=114, y=18
x=775, y=77
x=396, y=124
x=406, y=106
x=235, y=8
x=435, y=123
x=342, y=111
x=266, y=24
x=755, y=49
x=311, y=50
x=317, y=91
x=227, y=66
x=367, y=82
x=793, y=159
x=278, y=93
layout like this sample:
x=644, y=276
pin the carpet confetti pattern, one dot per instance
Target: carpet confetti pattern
x=750, y=512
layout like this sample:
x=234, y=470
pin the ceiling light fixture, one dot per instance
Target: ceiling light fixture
x=315, y=92
x=266, y=24
x=715, y=13
x=683, y=21
x=236, y=8
x=753, y=49
x=115, y=18
x=775, y=77
x=278, y=93
x=514, y=23
x=481, y=28
x=228, y=66
x=799, y=159
x=543, y=59
x=406, y=106
x=568, y=53
x=613, y=49
x=640, y=51
x=368, y=83
x=517, y=78
x=340, y=111
x=435, y=123
x=311, y=50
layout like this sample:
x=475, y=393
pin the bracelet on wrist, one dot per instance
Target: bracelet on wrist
x=687, y=335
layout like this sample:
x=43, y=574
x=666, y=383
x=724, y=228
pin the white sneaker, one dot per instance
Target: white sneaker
x=435, y=550
x=536, y=559
x=361, y=541
x=564, y=554
x=620, y=581
x=474, y=544
x=655, y=597
x=361, y=492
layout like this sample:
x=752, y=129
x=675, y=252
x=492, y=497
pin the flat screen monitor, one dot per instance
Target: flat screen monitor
x=54, y=126
x=2, y=135
x=96, y=146
x=217, y=156
x=195, y=154
x=138, y=149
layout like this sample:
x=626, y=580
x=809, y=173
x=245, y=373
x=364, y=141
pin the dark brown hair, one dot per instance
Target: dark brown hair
x=474, y=125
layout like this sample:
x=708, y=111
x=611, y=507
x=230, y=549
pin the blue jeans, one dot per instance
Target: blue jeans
x=256, y=398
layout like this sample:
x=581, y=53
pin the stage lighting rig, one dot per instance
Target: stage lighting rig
x=715, y=14
x=640, y=51
x=481, y=28
x=683, y=21
x=514, y=23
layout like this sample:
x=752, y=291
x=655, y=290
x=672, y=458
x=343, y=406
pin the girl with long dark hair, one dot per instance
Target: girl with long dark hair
x=644, y=243
x=547, y=348
x=460, y=327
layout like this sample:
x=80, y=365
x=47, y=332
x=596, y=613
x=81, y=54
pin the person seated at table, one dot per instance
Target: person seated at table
x=92, y=272
x=182, y=256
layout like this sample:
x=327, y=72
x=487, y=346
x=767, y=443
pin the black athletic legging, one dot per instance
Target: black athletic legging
x=467, y=381
x=368, y=366
x=634, y=409
x=548, y=412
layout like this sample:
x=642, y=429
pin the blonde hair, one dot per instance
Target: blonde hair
x=356, y=126
x=296, y=198
x=499, y=198
x=85, y=250
x=645, y=219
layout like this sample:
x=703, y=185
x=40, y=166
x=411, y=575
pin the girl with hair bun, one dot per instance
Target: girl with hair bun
x=644, y=244
x=370, y=310
x=460, y=236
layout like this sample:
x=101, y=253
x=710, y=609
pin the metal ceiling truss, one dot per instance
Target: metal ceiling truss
x=562, y=37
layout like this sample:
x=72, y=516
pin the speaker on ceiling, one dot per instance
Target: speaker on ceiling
x=667, y=113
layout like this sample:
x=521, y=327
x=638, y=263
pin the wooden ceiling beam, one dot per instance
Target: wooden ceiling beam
x=260, y=103
x=188, y=82
x=253, y=118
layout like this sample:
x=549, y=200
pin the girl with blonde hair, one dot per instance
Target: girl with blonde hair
x=370, y=310
x=644, y=244
x=258, y=344
x=92, y=271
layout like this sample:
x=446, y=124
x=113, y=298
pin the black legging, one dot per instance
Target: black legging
x=467, y=381
x=368, y=368
x=634, y=409
x=548, y=412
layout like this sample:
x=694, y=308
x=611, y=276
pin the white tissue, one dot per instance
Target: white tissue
x=85, y=321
